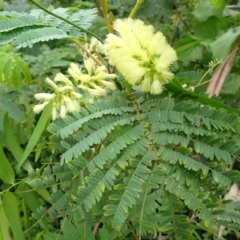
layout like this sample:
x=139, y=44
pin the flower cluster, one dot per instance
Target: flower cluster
x=142, y=56
x=92, y=79
x=65, y=98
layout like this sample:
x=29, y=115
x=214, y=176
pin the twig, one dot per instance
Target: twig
x=96, y=227
x=160, y=236
x=97, y=5
x=233, y=7
x=104, y=12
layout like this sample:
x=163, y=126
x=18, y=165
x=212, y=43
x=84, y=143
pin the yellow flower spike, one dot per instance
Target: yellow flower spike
x=75, y=71
x=109, y=85
x=99, y=76
x=85, y=78
x=97, y=91
x=76, y=105
x=44, y=96
x=100, y=69
x=38, y=108
x=69, y=104
x=146, y=85
x=52, y=83
x=156, y=87
x=88, y=65
x=81, y=86
x=76, y=95
x=111, y=76
x=62, y=78
x=65, y=89
x=140, y=54
x=54, y=113
x=63, y=111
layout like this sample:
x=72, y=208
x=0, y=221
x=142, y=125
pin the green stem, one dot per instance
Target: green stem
x=205, y=74
x=104, y=12
x=136, y=7
x=65, y=20
x=200, y=84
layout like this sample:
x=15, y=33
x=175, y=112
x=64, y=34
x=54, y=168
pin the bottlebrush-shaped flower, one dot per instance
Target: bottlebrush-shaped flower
x=140, y=54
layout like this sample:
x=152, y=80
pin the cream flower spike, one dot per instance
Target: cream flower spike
x=140, y=54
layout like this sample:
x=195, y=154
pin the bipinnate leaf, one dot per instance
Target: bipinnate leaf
x=10, y=205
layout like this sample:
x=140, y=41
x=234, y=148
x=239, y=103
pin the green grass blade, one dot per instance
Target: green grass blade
x=12, y=143
x=6, y=170
x=11, y=209
x=32, y=200
x=36, y=134
x=4, y=232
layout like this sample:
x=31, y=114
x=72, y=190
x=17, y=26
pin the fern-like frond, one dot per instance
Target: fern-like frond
x=12, y=20
x=174, y=221
x=157, y=164
x=130, y=190
x=24, y=30
x=83, y=18
x=12, y=109
x=28, y=38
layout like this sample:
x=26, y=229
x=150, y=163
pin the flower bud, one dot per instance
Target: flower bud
x=44, y=96
x=38, y=108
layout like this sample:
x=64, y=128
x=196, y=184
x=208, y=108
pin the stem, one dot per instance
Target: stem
x=200, y=84
x=212, y=67
x=159, y=236
x=104, y=12
x=96, y=227
x=65, y=20
x=88, y=53
x=136, y=7
x=96, y=3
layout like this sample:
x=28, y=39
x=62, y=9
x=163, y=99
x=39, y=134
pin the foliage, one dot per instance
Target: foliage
x=24, y=30
x=120, y=163
x=13, y=69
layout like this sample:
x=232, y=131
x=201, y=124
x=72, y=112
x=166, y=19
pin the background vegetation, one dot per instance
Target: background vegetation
x=179, y=151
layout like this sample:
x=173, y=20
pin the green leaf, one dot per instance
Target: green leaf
x=223, y=45
x=32, y=200
x=204, y=10
x=46, y=114
x=208, y=28
x=12, y=109
x=6, y=170
x=234, y=175
x=10, y=205
x=12, y=143
x=176, y=88
x=231, y=84
x=189, y=49
x=4, y=232
x=13, y=69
